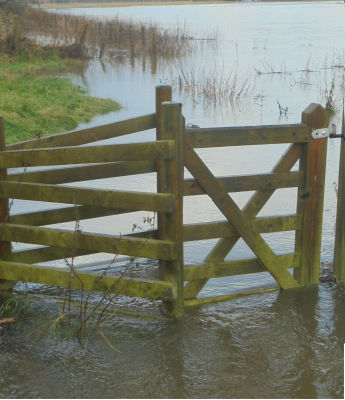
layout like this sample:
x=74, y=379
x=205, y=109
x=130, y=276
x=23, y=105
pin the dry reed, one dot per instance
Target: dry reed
x=116, y=37
x=214, y=85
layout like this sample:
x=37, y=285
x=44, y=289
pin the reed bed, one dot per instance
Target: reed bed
x=214, y=85
x=114, y=37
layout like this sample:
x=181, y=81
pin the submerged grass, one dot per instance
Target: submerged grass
x=33, y=103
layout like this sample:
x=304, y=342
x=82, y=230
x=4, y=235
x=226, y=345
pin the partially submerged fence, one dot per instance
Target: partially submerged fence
x=173, y=150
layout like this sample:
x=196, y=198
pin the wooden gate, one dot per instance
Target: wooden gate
x=307, y=222
x=173, y=150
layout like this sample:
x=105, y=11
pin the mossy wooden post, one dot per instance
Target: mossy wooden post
x=163, y=93
x=5, y=247
x=311, y=197
x=339, y=246
x=173, y=128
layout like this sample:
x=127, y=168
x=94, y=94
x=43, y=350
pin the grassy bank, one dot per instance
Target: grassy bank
x=33, y=102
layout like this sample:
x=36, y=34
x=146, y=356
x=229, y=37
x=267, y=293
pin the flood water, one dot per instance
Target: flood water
x=277, y=345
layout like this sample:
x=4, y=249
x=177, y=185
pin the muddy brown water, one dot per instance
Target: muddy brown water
x=286, y=344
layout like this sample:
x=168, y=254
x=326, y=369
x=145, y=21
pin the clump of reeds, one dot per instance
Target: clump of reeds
x=116, y=36
x=331, y=105
x=269, y=69
x=214, y=85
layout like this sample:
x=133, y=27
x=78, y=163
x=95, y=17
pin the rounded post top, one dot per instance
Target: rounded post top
x=171, y=104
x=163, y=87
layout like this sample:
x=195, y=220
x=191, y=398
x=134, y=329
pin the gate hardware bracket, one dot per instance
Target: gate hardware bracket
x=325, y=132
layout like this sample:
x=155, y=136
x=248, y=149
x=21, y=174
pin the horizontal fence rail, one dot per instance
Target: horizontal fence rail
x=86, y=173
x=163, y=149
x=247, y=136
x=234, y=268
x=89, y=135
x=60, y=215
x=156, y=202
x=135, y=287
x=137, y=247
x=244, y=183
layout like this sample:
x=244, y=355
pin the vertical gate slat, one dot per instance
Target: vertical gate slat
x=339, y=246
x=5, y=247
x=173, y=179
x=163, y=93
x=311, y=197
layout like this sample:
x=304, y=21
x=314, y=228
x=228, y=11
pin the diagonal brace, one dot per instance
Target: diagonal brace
x=237, y=218
x=251, y=209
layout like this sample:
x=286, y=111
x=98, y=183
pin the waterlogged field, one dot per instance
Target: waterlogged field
x=248, y=64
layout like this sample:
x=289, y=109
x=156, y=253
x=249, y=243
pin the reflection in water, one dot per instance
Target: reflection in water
x=285, y=344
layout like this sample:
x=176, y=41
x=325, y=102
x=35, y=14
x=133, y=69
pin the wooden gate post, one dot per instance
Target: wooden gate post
x=339, y=245
x=163, y=93
x=173, y=177
x=311, y=197
x=5, y=247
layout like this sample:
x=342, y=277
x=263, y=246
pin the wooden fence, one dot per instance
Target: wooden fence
x=173, y=150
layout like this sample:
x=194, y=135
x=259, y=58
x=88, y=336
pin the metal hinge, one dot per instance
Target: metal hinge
x=325, y=132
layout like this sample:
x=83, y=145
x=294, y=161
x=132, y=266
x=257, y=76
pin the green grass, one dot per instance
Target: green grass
x=33, y=103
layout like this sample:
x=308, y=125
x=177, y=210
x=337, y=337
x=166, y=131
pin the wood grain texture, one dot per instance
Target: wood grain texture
x=232, y=268
x=86, y=172
x=132, y=246
x=173, y=175
x=89, y=135
x=5, y=246
x=243, y=183
x=339, y=246
x=135, y=287
x=87, y=155
x=246, y=135
x=311, y=197
x=89, y=197
x=163, y=93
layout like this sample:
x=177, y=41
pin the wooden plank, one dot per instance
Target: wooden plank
x=90, y=197
x=232, y=296
x=89, y=135
x=135, y=287
x=163, y=93
x=86, y=172
x=163, y=149
x=233, y=268
x=173, y=129
x=60, y=215
x=5, y=247
x=242, y=183
x=44, y=254
x=246, y=135
x=251, y=209
x=213, y=230
x=132, y=246
x=339, y=245
x=311, y=197
x=237, y=218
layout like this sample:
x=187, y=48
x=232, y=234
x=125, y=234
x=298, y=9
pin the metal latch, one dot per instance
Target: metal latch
x=325, y=132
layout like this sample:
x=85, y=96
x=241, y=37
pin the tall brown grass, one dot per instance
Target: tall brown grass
x=116, y=36
x=214, y=85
